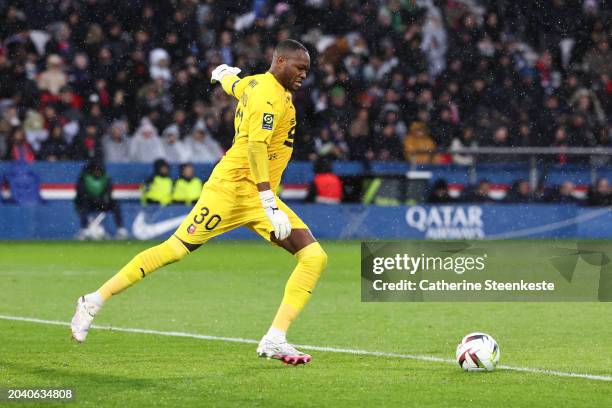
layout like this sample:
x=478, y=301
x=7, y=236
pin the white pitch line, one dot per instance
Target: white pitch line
x=418, y=357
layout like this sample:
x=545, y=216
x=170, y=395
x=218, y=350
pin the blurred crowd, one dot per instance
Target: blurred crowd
x=598, y=194
x=128, y=81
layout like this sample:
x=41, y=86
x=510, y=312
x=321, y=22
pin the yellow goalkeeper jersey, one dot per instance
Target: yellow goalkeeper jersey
x=265, y=113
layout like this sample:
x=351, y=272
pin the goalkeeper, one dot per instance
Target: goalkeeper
x=240, y=192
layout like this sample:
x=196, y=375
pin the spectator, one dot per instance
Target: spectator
x=182, y=90
x=585, y=103
x=158, y=188
x=87, y=144
x=388, y=145
x=54, y=78
x=159, y=61
x=225, y=130
x=179, y=118
x=174, y=149
x=80, y=75
x=563, y=194
x=499, y=139
x=439, y=193
x=549, y=115
x=444, y=129
x=465, y=140
x=116, y=145
x=480, y=194
x=69, y=105
x=105, y=69
x=434, y=41
x=145, y=146
x=326, y=187
x=55, y=148
x=520, y=192
x=34, y=128
x=419, y=147
x=560, y=140
x=94, y=194
x=579, y=132
x=599, y=59
x=18, y=147
x=337, y=111
x=305, y=149
x=324, y=144
x=390, y=117
x=202, y=147
x=524, y=136
x=8, y=122
x=188, y=187
x=599, y=194
x=154, y=97
x=9, y=119
x=359, y=137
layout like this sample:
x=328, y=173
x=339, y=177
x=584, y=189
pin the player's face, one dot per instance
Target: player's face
x=295, y=69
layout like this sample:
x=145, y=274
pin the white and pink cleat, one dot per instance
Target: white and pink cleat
x=82, y=319
x=283, y=351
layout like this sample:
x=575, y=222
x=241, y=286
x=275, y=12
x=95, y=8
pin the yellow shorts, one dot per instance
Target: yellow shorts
x=226, y=205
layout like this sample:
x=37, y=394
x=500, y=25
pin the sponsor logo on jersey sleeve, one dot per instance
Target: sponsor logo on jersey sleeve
x=268, y=121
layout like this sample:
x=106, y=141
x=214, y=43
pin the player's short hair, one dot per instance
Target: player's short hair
x=289, y=46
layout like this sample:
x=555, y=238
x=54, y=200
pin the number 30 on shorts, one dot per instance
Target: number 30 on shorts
x=211, y=222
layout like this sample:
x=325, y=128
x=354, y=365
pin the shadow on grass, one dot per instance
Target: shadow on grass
x=70, y=377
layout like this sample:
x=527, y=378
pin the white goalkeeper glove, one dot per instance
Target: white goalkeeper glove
x=279, y=220
x=221, y=71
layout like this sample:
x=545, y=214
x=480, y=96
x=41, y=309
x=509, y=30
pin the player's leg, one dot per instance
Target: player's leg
x=208, y=218
x=140, y=266
x=311, y=261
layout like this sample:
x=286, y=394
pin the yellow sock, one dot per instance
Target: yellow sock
x=311, y=262
x=143, y=264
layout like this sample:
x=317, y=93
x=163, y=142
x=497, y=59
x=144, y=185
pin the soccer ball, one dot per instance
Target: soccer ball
x=478, y=352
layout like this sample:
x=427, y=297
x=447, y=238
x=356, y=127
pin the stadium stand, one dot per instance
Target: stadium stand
x=98, y=79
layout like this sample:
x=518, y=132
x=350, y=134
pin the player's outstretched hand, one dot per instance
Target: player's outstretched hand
x=221, y=71
x=279, y=220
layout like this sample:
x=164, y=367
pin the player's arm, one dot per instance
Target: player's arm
x=258, y=161
x=230, y=81
x=264, y=115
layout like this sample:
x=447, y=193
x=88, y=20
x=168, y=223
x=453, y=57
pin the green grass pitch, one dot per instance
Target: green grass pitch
x=232, y=289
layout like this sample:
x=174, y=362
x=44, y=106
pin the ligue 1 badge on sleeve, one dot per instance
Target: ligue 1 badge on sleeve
x=268, y=121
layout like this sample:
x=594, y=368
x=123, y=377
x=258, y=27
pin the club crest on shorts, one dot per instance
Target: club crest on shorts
x=191, y=229
x=268, y=121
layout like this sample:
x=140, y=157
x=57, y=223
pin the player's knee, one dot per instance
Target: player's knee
x=316, y=257
x=322, y=258
x=174, y=249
